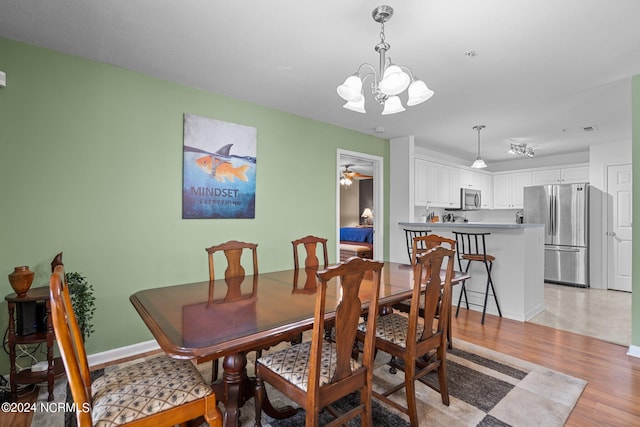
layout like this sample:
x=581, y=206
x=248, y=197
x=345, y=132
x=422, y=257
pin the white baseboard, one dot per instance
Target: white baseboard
x=634, y=351
x=122, y=352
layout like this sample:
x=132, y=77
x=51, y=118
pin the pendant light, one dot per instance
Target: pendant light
x=479, y=163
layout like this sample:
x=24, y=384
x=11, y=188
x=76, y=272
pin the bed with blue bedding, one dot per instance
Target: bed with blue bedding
x=356, y=241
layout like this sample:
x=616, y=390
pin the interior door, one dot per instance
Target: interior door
x=619, y=227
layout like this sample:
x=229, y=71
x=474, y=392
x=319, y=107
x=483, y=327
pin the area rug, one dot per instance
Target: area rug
x=486, y=388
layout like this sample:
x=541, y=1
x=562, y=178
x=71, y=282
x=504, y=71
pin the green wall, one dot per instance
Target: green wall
x=635, y=146
x=91, y=164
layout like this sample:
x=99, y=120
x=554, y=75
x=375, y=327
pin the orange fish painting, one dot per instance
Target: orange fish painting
x=221, y=170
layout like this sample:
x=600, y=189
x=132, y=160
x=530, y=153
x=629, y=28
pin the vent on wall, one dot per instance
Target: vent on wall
x=589, y=128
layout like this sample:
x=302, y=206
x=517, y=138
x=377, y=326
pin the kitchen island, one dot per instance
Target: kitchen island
x=518, y=270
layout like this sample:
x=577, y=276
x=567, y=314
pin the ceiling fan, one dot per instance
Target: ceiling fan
x=351, y=174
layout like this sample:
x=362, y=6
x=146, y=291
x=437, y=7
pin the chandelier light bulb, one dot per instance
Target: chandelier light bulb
x=418, y=93
x=357, y=106
x=394, y=81
x=392, y=105
x=351, y=89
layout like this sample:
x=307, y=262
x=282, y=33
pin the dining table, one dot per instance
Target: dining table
x=226, y=318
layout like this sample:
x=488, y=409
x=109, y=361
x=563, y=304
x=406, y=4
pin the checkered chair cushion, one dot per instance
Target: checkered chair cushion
x=393, y=328
x=292, y=363
x=145, y=388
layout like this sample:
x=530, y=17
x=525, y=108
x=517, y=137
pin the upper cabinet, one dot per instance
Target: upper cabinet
x=438, y=185
x=420, y=171
x=486, y=189
x=570, y=175
x=434, y=185
x=508, y=189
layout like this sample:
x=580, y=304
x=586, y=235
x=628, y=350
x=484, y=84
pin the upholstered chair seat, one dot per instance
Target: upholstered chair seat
x=142, y=389
x=292, y=363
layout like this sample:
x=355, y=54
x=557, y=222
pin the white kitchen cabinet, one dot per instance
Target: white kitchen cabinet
x=544, y=177
x=486, y=190
x=436, y=185
x=454, y=186
x=508, y=189
x=575, y=175
x=560, y=176
x=420, y=182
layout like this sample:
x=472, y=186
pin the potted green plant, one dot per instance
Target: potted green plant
x=83, y=302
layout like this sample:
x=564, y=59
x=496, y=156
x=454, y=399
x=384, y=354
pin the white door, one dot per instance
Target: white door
x=619, y=227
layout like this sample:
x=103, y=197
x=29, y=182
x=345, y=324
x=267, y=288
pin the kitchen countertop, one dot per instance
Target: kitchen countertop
x=469, y=224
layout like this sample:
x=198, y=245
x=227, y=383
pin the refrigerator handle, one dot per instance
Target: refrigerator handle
x=550, y=215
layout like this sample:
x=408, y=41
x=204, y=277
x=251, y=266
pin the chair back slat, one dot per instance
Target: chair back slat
x=422, y=244
x=427, y=270
x=351, y=275
x=310, y=244
x=70, y=343
x=233, y=252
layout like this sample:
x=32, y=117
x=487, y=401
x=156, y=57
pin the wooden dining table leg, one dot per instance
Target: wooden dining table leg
x=237, y=387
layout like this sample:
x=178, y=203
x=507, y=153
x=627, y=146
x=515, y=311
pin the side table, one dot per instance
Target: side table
x=55, y=365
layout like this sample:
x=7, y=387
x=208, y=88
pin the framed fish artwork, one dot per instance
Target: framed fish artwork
x=219, y=169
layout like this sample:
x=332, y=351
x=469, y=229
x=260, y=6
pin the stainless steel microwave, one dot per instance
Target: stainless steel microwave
x=470, y=199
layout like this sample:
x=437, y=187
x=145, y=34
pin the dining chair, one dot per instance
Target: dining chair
x=316, y=373
x=234, y=274
x=310, y=244
x=161, y=390
x=419, y=346
x=422, y=244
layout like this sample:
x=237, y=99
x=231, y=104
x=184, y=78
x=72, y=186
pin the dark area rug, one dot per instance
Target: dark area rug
x=487, y=389
x=381, y=416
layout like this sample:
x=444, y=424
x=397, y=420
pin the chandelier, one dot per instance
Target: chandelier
x=479, y=163
x=521, y=149
x=387, y=82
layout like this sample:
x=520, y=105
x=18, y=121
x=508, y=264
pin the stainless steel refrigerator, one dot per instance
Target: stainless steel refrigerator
x=564, y=211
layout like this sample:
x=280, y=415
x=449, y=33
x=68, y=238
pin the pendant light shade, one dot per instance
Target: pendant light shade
x=357, y=106
x=394, y=81
x=479, y=163
x=351, y=89
x=418, y=93
x=392, y=105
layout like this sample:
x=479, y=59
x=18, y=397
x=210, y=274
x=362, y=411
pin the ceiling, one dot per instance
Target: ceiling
x=543, y=70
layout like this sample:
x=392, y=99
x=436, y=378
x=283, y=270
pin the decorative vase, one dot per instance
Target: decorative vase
x=21, y=279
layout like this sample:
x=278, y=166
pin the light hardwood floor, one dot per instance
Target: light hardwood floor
x=612, y=396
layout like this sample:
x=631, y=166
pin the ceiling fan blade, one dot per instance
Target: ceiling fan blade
x=360, y=175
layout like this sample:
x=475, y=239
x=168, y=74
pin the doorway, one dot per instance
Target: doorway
x=362, y=166
x=619, y=221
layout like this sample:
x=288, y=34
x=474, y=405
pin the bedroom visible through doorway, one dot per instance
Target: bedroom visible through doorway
x=359, y=196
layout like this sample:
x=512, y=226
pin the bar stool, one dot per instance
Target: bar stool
x=409, y=236
x=473, y=247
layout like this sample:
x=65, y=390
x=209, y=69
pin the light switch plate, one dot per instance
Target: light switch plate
x=3, y=79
